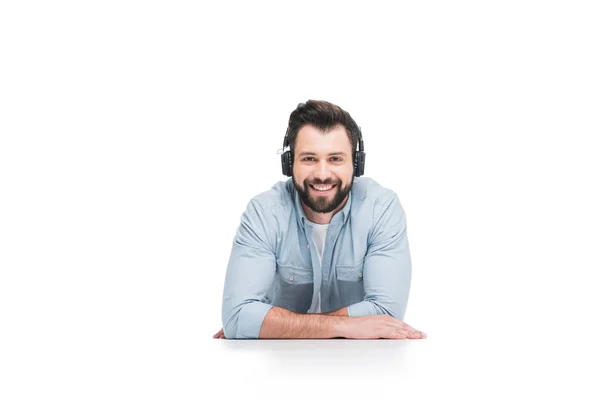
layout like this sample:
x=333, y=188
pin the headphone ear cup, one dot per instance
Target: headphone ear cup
x=286, y=163
x=359, y=163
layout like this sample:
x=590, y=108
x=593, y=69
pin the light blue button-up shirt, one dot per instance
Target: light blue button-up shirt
x=366, y=262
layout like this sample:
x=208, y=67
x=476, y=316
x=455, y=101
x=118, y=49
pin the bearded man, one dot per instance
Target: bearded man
x=321, y=255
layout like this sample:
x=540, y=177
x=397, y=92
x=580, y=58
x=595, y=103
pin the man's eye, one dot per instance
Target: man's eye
x=336, y=159
x=307, y=159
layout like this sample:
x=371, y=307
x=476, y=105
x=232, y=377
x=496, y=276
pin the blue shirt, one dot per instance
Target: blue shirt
x=366, y=262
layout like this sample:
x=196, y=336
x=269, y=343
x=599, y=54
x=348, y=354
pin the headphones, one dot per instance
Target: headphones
x=359, y=157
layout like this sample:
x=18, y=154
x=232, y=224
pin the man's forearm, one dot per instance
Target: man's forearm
x=342, y=312
x=280, y=323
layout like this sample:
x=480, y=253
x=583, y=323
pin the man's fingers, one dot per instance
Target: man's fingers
x=416, y=334
x=407, y=326
x=402, y=335
x=219, y=334
x=406, y=334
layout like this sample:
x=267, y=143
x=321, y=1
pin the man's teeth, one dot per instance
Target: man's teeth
x=322, y=188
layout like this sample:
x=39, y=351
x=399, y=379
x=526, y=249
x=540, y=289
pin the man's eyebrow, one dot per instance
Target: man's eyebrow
x=308, y=153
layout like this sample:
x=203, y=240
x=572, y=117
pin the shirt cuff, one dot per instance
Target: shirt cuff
x=251, y=318
x=362, y=309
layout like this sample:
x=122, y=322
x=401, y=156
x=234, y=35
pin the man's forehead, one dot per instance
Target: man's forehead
x=312, y=141
x=333, y=153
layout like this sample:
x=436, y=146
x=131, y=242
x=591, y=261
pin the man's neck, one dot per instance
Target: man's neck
x=321, y=218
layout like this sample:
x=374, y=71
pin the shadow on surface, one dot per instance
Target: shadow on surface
x=330, y=357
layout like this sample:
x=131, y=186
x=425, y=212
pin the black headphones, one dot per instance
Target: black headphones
x=359, y=157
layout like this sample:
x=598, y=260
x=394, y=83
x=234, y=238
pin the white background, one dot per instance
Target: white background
x=133, y=135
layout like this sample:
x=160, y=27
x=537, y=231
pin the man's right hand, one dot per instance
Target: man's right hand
x=378, y=327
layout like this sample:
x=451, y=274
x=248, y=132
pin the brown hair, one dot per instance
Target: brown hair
x=324, y=116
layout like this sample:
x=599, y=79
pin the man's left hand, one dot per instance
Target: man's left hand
x=219, y=335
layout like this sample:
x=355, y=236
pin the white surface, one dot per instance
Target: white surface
x=133, y=134
x=482, y=364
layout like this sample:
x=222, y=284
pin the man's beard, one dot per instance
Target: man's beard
x=323, y=204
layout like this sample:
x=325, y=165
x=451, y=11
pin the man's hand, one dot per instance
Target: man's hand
x=219, y=335
x=379, y=327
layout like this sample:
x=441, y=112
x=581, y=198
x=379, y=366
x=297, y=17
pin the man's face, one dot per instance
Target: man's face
x=323, y=161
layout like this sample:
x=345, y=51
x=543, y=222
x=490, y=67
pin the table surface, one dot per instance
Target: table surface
x=471, y=367
x=169, y=361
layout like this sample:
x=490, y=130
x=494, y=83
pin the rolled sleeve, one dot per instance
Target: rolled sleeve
x=387, y=267
x=250, y=274
x=250, y=320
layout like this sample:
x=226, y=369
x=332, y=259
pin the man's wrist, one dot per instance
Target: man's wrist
x=340, y=327
x=340, y=322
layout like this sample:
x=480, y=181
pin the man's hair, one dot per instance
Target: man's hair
x=324, y=116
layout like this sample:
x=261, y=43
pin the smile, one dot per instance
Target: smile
x=322, y=189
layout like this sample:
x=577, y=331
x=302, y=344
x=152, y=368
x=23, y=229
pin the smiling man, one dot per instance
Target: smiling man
x=321, y=255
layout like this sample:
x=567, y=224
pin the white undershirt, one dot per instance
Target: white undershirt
x=319, y=232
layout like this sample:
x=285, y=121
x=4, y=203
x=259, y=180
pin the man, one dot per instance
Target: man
x=320, y=255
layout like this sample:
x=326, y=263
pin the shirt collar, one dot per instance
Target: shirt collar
x=301, y=216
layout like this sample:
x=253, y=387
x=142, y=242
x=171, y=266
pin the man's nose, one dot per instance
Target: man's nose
x=322, y=171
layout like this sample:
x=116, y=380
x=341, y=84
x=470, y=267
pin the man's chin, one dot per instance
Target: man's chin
x=322, y=208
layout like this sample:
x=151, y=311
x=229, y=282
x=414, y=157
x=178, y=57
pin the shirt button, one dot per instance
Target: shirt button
x=292, y=278
x=308, y=246
x=360, y=274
